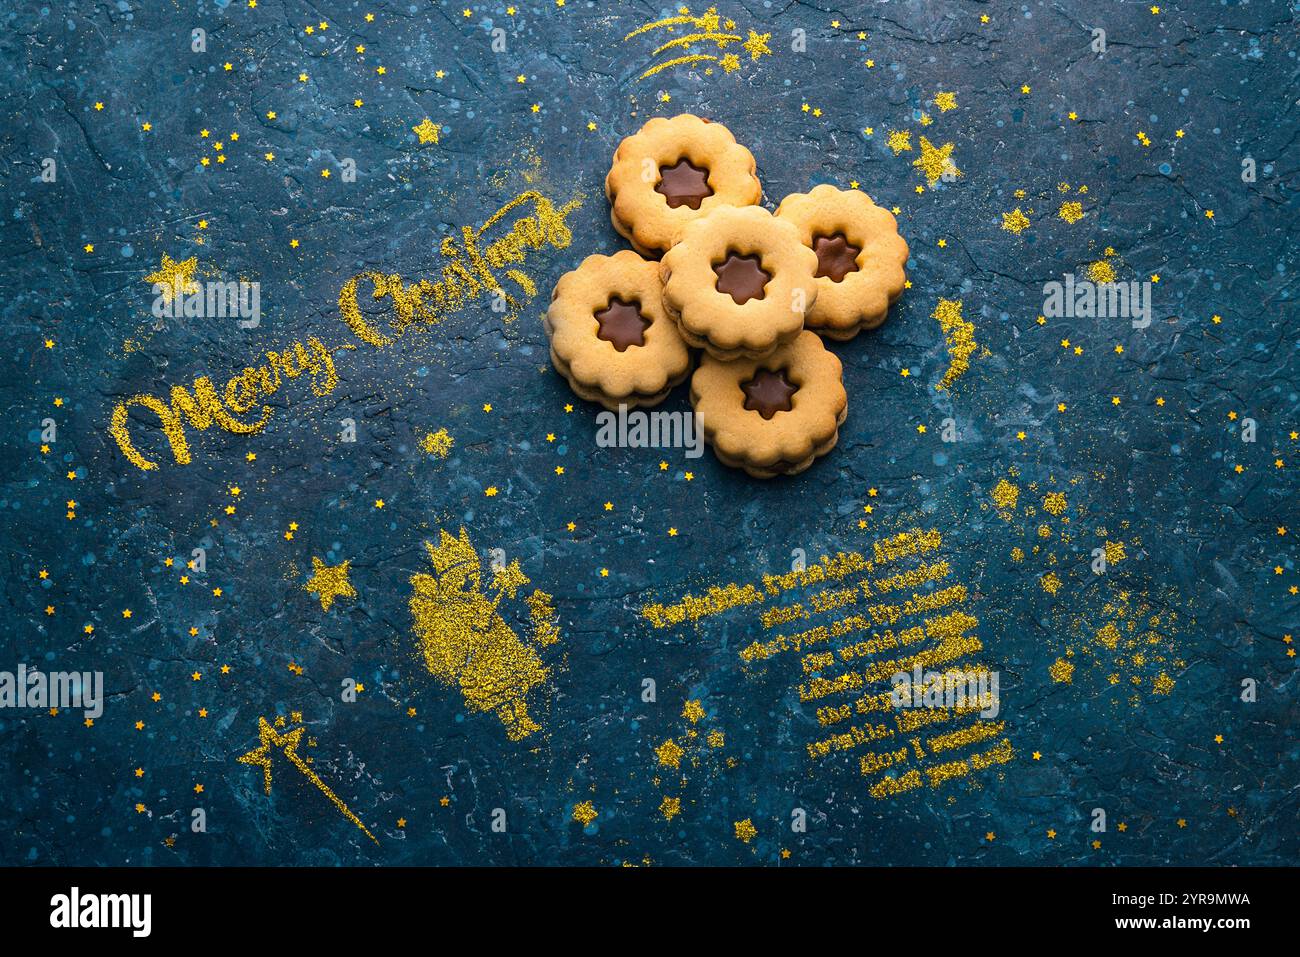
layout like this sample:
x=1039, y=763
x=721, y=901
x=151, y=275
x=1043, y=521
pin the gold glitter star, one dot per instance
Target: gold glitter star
x=174, y=277
x=935, y=161
x=427, y=131
x=756, y=45
x=329, y=583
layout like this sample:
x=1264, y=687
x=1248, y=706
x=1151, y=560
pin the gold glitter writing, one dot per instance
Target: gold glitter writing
x=200, y=407
x=470, y=271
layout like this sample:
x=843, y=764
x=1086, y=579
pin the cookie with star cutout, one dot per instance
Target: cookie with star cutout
x=740, y=283
x=860, y=258
x=610, y=335
x=672, y=172
x=772, y=416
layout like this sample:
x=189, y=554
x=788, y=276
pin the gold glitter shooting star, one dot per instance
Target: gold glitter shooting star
x=288, y=743
x=706, y=28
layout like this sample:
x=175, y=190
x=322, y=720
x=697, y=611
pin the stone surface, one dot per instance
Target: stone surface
x=1140, y=430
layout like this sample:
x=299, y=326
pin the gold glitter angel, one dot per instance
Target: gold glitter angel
x=465, y=641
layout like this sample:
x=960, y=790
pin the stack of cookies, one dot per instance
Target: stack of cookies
x=753, y=293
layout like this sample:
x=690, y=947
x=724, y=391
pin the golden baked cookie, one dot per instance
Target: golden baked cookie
x=610, y=335
x=772, y=416
x=739, y=283
x=674, y=171
x=860, y=258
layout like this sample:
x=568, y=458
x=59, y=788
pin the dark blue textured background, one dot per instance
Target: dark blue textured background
x=1202, y=540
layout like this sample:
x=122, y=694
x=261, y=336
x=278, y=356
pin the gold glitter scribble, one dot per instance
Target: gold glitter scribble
x=708, y=28
x=438, y=443
x=584, y=812
x=959, y=335
x=745, y=830
x=328, y=583
x=465, y=641
x=670, y=807
x=288, y=744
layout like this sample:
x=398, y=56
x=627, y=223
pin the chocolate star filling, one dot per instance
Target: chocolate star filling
x=622, y=324
x=741, y=277
x=769, y=393
x=836, y=256
x=684, y=184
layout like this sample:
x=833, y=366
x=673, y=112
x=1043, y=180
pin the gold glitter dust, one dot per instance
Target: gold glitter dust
x=960, y=338
x=438, y=443
x=1071, y=212
x=1015, y=221
x=1054, y=502
x=1005, y=495
x=329, y=583
x=1101, y=272
x=464, y=639
x=670, y=807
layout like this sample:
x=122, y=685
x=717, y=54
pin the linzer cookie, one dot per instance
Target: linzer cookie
x=610, y=335
x=772, y=416
x=860, y=258
x=739, y=282
x=674, y=171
